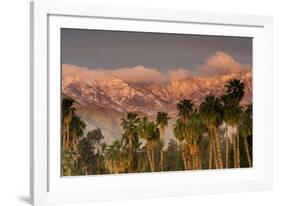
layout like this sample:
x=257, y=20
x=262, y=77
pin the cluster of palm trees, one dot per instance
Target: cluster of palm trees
x=206, y=136
x=212, y=114
x=72, y=129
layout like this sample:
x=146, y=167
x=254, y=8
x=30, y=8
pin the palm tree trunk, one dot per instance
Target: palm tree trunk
x=67, y=136
x=189, y=162
x=210, y=153
x=75, y=148
x=218, y=148
x=194, y=162
x=161, y=154
x=153, y=159
x=161, y=160
x=188, y=158
x=199, y=161
x=184, y=160
x=183, y=155
x=98, y=172
x=234, y=150
x=226, y=152
x=226, y=148
x=130, y=156
x=214, y=149
x=215, y=154
x=69, y=118
x=149, y=157
x=197, y=158
x=131, y=160
x=238, y=150
x=247, y=151
x=64, y=134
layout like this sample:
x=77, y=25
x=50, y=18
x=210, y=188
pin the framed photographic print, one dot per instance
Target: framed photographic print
x=137, y=103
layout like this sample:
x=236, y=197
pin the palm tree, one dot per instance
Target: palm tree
x=184, y=109
x=235, y=88
x=149, y=131
x=130, y=126
x=245, y=130
x=211, y=114
x=180, y=133
x=162, y=122
x=77, y=127
x=195, y=130
x=235, y=92
x=67, y=113
x=231, y=116
x=96, y=136
x=86, y=157
x=115, y=158
x=142, y=163
x=225, y=99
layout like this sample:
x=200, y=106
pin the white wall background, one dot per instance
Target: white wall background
x=14, y=100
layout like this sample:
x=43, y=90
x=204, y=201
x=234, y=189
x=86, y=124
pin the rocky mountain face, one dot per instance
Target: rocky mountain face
x=101, y=103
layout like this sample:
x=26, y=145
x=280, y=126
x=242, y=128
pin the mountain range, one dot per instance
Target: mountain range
x=101, y=103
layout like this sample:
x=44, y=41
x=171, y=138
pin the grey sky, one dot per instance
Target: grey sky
x=118, y=49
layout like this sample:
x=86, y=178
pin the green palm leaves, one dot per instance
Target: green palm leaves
x=116, y=158
x=235, y=88
x=72, y=129
x=148, y=130
x=180, y=130
x=211, y=114
x=184, y=108
x=162, y=119
x=130, y=126
x=67, y=112
x=246, y=130
x=232, y=114
x=195, y=129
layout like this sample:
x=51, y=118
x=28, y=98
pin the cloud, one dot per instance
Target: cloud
x=221, y=63
x=85, y=73
x=218, y=64
x=138, y=74
x=178, y=74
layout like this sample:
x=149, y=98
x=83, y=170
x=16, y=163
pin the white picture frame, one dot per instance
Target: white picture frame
x=46, y=184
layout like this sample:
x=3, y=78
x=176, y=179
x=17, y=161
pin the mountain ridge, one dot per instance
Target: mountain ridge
x=101, y=104
x=151, y=97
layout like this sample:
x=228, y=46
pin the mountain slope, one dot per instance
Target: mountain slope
x=101, y=103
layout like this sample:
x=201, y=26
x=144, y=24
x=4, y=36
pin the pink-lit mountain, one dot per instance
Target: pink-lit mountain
x=102, y=102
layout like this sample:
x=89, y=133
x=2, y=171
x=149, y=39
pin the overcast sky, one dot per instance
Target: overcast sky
x=163, y=52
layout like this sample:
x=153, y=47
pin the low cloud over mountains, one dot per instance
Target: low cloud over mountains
x=218, y=64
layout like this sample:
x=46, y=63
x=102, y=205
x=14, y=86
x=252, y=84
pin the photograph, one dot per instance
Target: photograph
x=141, y=102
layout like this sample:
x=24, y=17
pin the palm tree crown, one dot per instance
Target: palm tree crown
x=148, y=130
x=130, y=123
x=179, y=131
x=67, y=107
x=162, y=120
x=194, y=128
x=211, y=111
x=235, y=88
x=130, y=126
x=184, y=108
